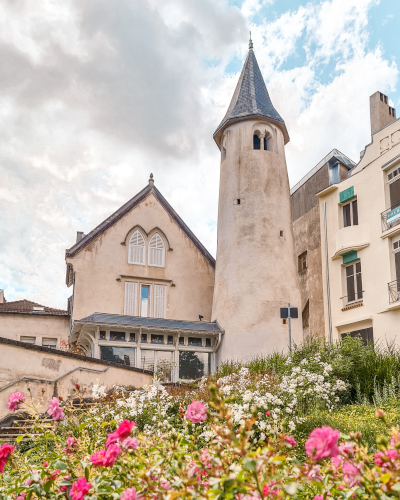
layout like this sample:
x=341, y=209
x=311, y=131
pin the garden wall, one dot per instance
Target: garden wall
x=49, y=372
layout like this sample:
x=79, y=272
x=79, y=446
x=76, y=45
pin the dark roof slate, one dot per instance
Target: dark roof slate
x=127, y=207
x=119, y=319
x=26, y=307
x=251, y=98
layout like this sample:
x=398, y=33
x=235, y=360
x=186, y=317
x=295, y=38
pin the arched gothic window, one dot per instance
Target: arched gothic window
x=256, y=141
x=223, y=150
x=156, y=251
x=268, y=145
x=136, y=249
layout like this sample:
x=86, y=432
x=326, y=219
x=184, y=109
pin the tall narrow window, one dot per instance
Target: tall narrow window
x=136, y=249
x=130, y=298
x=223, y=150
x=350, y=214
x=302, y=262
x=354, y=282
x=160, y=295
x=268, y=142
x=145, y=301
x=156, y=251
x=394, y=187
x=396, y=251
x=256, y=142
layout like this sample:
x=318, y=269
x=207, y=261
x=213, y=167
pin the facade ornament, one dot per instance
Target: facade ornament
x=151, y=180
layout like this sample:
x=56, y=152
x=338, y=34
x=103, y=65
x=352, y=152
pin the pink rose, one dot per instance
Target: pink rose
x=313, y=473
x=336, y=461
x=290, y=441
x=350, y=474
x=15, y=400
x=121, y=433
x=165, y=484
x=54, y=410
x=196, y=412
x=129, y=494
x=106, y=458
x=205, y=458
x=72, y=445
x=346, y=448
x=130, y=443
x=79, y=489
x=318, y=497
x=394, y=440
x=5, y=452
x=383, y=457
x=322, y=443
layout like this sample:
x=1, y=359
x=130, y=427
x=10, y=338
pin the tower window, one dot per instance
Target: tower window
x=268, y=142
x=281, y=233
x=238, y=201
x=256, y=142
x=302, y=261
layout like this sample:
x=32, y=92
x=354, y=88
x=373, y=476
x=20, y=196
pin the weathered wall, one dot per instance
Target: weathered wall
x=102, y=268
x=57, y=373
x=13, y=326
x=304, y=199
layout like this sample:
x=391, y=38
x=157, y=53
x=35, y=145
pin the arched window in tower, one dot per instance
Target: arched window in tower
x=223, y=149
x=256, y=141
x=156, y=251
x=268, y=145
x=137, y=247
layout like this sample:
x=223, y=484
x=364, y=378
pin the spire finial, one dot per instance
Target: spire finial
x=250, y=43
x=151, y=180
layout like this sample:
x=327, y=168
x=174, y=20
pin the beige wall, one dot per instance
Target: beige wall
x=52, y=371
x=102, y=268
x=256, y=273
x=13, y=326
x=374, y=246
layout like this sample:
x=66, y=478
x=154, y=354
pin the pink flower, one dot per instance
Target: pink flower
x=54, y=409
x=336, y=461
x=318, y=497
x=290, y=441
x=346, y=448
x=5, y=452
x=205, y=458
x=270, y=489
x=196, y=412
x=313, y=473
x=165, y=484
x=350, y=474
x=383, y=457
x=79, y=489
x=130, y=443
x=129, y=494
x=395, y=440
x=322, y=443
x=268, y=413
x=72, y=445
x=15, y=400
x=121, y=433
x=106, y=458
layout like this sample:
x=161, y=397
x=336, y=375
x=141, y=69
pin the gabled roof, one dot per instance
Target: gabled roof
x=250, y=99
x=132, y=203
x=27, y=307
x=137, y=321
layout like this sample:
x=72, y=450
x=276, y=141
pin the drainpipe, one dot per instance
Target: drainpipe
x=327, y=276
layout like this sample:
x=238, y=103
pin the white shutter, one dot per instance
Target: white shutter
x=130, y=298
x=156, y=251
x=160, y=295
x=136, y=248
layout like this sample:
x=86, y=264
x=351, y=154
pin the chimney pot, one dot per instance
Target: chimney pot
x=380, y=112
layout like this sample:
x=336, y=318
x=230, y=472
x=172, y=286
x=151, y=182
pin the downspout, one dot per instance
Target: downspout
x=328, y=293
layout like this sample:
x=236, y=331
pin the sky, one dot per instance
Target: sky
x=96, y=95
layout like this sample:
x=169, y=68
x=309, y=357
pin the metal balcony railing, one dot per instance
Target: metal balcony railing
x=390, y=217
x=353, y=298
x=394, y=291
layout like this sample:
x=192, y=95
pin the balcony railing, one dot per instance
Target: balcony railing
x=352, y=299
x=394, y=291
x=390, y=217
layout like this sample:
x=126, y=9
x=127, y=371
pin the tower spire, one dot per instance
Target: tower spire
x=250, y=43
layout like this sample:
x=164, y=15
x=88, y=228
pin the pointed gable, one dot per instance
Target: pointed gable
x=250, y=99
x=126, y=208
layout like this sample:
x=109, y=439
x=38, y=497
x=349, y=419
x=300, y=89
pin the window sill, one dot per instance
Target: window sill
x=353, y=305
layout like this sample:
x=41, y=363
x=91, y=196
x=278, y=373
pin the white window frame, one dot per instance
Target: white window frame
x=150, y=299
x=131, y=246
x=126, y=305
x=149, y=261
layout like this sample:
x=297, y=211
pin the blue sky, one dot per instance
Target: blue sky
x=95, y=95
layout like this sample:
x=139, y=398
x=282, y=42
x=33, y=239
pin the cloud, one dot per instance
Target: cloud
x=95, y=95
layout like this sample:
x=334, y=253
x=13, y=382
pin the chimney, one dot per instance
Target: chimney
x=2, y=299
x=381, y=113
x=79, y=236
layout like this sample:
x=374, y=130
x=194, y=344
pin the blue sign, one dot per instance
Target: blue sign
x=393, y=216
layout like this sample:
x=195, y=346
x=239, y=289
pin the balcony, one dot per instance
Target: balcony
x=390, y=218
x=352, y=301
x=394, y=291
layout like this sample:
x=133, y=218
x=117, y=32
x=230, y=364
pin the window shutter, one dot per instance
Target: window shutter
x=130, y=298
x=136, y=248
x=160, y=295
x=156, y=251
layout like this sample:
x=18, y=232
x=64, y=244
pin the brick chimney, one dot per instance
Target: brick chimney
x=381, y=113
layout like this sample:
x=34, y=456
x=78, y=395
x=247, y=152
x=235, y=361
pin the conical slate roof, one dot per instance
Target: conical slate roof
x=251, y=99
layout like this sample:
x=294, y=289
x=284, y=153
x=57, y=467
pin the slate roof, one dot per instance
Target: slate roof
x=127, y=207
x=137, y=321
x=26, y=307
x=251, y=99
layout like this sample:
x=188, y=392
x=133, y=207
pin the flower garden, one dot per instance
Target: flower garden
x=319, y=423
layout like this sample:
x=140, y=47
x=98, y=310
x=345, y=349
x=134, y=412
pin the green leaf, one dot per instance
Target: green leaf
x=87, y=471
x=58, y=464
x=116, y=484
x=250, y=464
x=19, y=438
x=47, y=486
x=385, y=478
x=396, y=487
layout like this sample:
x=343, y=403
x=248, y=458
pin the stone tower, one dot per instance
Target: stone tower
x=256, y=273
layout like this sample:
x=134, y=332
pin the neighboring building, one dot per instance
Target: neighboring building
x=33, y=323
x=307, y=237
